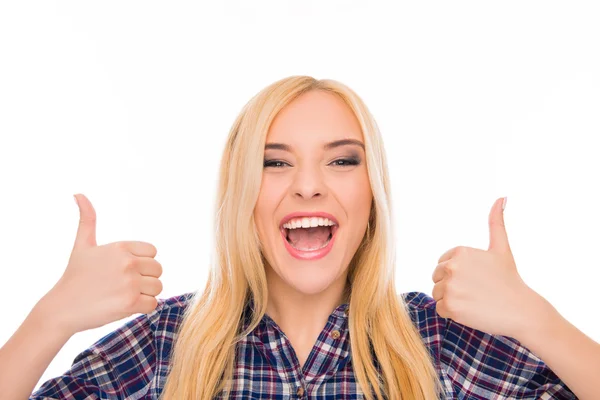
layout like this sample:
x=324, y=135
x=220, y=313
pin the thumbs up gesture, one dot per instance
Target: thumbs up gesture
x=482, y=288
x=102, y=284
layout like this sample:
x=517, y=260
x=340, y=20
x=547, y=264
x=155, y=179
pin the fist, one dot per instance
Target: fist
x=482, y=289
x=103, y=284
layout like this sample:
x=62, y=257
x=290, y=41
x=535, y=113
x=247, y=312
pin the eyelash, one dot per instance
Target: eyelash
x=350, y=162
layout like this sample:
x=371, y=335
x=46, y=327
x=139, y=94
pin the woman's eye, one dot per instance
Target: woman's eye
x=346, y=162
x=273, y=163
x=342, y=162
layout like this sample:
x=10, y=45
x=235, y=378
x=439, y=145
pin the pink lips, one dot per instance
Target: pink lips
x=314, y=254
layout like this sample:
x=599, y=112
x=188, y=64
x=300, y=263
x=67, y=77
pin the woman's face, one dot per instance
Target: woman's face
x=314, y=173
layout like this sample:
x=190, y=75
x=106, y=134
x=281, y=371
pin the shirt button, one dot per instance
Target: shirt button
x=335, y=334
x=300, y=391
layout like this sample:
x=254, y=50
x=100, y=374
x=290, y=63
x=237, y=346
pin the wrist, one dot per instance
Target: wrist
x=46, y=314
x=539, y=317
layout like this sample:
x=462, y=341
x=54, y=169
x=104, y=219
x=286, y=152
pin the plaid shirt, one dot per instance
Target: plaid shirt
x=132, y=361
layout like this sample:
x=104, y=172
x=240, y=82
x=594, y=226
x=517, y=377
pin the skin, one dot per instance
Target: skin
x=309, y=177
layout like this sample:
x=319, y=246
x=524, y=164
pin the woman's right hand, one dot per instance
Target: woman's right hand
x=103, y=284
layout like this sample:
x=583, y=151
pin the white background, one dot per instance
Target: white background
x=130, y=103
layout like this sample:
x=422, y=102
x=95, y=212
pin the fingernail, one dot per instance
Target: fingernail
x=504, y=203
x=76, y=202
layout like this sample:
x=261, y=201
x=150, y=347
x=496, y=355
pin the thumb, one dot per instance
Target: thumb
x=86, y=232
x=498, y=235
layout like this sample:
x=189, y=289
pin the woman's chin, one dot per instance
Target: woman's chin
x=310, y=282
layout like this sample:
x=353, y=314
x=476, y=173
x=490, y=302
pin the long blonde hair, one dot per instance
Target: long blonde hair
x=203, y=357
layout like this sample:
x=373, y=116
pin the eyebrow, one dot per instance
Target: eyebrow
x=328, y=146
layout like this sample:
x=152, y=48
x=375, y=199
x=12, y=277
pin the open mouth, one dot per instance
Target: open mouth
x=309, y=239
x=309, y=234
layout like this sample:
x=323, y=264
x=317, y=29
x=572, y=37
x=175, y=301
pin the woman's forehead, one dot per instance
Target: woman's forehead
x=318, y=117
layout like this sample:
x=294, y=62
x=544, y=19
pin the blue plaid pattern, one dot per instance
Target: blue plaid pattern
x=132, y=361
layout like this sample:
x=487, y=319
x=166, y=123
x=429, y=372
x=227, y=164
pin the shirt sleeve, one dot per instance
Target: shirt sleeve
x=118, y=366
x=485, y=366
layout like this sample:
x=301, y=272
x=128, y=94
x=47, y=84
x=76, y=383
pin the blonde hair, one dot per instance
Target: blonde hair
x=203, y=357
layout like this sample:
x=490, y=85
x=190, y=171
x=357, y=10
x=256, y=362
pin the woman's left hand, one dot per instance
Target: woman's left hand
x=482, y=288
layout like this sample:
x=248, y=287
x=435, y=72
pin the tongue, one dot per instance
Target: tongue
x=309, y=238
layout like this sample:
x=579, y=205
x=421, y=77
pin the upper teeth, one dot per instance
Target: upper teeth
x=306, y=222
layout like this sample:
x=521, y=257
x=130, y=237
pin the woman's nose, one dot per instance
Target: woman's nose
x=309, y=183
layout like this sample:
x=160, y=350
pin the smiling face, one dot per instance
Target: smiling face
x=314, y=166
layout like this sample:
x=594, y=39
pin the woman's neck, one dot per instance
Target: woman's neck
x=299, y=312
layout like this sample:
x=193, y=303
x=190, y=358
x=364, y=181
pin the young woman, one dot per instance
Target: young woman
x=301, y=302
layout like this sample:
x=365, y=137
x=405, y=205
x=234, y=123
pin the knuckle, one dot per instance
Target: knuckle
x=132, y=282
x=130, y=263
x=151, y=305
x=461, y=251
x=439, y=270
x=449, y=292
x=451, y=307
x=441, y=309
x=450, y=268
x=130, y=300
x=436, y=293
